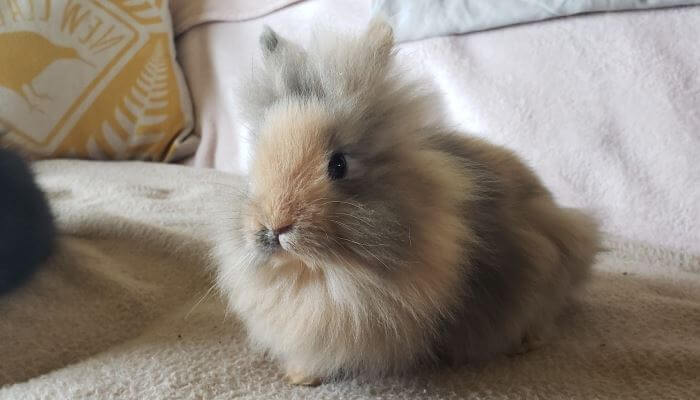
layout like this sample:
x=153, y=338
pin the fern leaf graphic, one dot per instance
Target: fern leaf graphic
x=137, y=120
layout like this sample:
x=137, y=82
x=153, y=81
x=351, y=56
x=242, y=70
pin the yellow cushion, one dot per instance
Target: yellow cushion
x=92, y=79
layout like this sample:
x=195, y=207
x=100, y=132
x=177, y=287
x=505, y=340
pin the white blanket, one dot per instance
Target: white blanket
x=121, y=311
x=419, y=19
x=605, y=107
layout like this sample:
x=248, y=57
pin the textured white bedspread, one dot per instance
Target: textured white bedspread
x=117, y=313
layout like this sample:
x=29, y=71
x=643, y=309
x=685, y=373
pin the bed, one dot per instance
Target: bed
x=605, y=107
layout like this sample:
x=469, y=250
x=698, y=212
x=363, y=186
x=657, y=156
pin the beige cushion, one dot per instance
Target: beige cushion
x=92, y=79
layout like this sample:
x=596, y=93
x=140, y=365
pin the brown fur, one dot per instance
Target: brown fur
x=435, y=246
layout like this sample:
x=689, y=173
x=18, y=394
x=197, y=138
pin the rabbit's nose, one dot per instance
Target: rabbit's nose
x=270, y=237
x=280, y=231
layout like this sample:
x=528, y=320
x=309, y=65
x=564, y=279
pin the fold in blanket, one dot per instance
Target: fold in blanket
x=124, y=311
x=188, y=14
x=415, y=19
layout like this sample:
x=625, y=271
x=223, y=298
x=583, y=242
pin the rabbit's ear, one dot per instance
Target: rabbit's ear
x=363, y=61
x=379, y=38
x=288, y=64
x=278, y=52
x=286, y=73
x=269, y=40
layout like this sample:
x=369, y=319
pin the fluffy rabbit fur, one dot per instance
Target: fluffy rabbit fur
x=435, y=246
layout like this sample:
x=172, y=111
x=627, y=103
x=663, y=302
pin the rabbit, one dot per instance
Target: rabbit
x=372, y=239
x=27, y=228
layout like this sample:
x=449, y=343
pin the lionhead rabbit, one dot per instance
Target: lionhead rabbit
x=371, y=238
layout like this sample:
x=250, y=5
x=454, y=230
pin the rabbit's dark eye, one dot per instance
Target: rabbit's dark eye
x=337, y=166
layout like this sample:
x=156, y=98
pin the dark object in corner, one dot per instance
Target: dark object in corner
x=27, y=228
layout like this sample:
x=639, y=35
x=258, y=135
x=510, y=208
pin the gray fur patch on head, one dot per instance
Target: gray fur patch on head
x=268, y=39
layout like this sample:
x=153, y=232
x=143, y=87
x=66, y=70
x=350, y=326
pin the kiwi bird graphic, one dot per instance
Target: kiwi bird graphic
x=24, y=55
